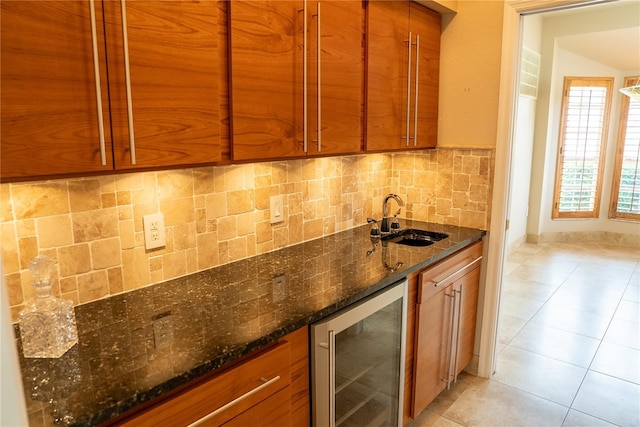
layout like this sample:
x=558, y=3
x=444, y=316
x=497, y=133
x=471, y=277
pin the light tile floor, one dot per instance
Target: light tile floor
x=568, y=344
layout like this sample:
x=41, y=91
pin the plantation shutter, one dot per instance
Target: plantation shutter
x=625, y=203
x=584, y=123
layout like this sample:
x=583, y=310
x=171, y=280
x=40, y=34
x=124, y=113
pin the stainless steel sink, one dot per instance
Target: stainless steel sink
x=414, y=237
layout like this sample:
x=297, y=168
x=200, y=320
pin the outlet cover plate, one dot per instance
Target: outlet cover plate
x=276, y=205
x=163, y=330
x=154, y=236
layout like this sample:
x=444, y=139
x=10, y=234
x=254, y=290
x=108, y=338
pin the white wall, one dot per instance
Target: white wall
x=557, y=63
x=13, y=410
x=523, y=144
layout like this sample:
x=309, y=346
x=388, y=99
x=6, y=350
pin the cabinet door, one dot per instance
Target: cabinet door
x=425, y=24
x=171, y=115
x=387, y=73
x=468, y=287
x=49, y=104
x=338, y=88
x=433, y=347
x=266, y=78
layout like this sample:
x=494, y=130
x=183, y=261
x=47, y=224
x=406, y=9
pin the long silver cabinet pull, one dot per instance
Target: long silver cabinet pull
x=451, y=328
x=305, y=81
x=407, y=137
x=96, y=71
x=266, y=383
x=127, y=71
x=475, y=261
x=455, y=371
x=319, y=83
x=415, y=112
x=332, y=378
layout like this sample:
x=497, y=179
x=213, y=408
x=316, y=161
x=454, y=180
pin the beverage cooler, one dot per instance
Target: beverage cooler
x=358, y=359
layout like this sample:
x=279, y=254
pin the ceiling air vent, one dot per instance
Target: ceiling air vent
x=529, y=73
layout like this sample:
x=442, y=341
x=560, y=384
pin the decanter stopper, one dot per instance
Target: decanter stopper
x=43, y=269
x=47, y=324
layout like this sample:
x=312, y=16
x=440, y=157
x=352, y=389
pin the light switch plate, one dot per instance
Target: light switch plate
x=154, y=236
x=276, y=205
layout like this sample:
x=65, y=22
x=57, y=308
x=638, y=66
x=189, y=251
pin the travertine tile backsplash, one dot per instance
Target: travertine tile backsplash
x=93, y=228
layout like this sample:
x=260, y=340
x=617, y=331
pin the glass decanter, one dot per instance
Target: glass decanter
x=47, y=324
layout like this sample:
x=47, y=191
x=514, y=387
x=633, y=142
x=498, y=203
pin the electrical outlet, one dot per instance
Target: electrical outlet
x=276, y=205
x=162, y=330
x=279, y=288
x=154, y=236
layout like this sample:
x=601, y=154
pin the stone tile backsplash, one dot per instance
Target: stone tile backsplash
x=93, y=227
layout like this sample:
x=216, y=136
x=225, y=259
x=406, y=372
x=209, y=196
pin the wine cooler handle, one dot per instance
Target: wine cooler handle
x=332, y=378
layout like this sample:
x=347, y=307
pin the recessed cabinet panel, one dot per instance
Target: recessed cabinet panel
x=387, y=71
x=48, y=97
x=445, y=324
x=173, y=78
x=338, y=89
x=289, y=98
x=433, y=337
x=424, y=111
x=266, y=98
x=403, y=55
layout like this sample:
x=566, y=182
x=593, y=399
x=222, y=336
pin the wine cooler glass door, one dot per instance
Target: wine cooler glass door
x=358, y=362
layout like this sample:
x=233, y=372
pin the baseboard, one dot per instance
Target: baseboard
x=515, y=245
x=472, y=367
x=586, y=236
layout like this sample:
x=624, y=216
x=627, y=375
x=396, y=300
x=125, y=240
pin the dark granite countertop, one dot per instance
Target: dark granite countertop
x=214, y=317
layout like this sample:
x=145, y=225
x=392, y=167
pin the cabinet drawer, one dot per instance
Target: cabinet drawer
x=441, y=275
x=274, y=411
x=227, y=395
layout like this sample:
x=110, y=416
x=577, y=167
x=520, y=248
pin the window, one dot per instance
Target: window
x=625, y=194
x=583, y=129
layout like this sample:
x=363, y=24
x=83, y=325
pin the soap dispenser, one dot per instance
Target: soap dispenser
x=47, y=324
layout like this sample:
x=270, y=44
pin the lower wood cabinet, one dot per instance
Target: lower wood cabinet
x=445, y=324
x=271, y=388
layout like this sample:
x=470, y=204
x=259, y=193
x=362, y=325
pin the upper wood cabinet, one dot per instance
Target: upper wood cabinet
x=173, y=74
x=296, y=73
x=403, y=62
x=143, y=80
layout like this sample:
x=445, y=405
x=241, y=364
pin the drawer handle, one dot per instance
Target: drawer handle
x=457, y=271
x=237, y=400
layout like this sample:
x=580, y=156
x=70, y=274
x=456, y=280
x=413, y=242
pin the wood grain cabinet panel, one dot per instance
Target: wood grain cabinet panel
x=445, y=324
x=48, y=103
x=403, y=54
x=282, y=87
x=173, y=73
x=50, y=108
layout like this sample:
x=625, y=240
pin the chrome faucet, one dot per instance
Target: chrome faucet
x=384, y=225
